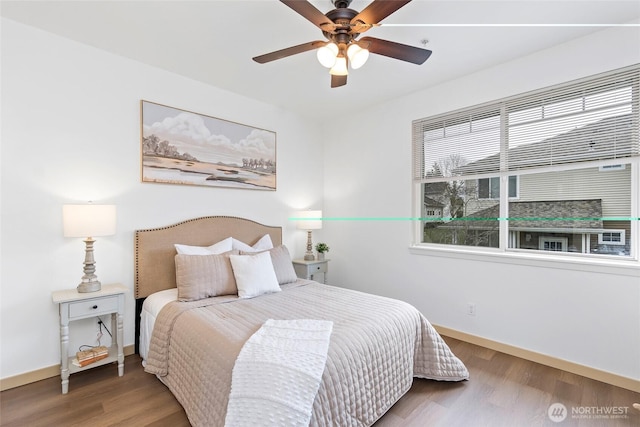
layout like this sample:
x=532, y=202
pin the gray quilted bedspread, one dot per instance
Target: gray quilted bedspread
x=377, y=346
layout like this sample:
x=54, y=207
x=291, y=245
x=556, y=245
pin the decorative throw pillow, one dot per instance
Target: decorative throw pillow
x=204, y=276
x=217, y=248
x=262, y=244
x=254, y=274
x=282, y=264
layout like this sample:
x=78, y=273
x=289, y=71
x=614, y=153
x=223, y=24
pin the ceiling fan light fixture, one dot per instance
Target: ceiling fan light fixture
x=328, y=54
x=341, y=28
x=357, y=56
x=340, y=67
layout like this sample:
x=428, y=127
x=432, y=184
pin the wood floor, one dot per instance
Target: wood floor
x=503, y=391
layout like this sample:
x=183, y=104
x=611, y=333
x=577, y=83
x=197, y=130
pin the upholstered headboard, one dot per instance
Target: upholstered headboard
x=154, y=251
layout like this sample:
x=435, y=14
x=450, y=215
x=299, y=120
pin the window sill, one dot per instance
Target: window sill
x=624, y=267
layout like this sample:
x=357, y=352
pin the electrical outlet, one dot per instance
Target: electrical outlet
x=471, y=309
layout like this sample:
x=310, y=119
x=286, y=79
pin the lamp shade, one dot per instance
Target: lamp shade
x=310, y=220
x=89, y=220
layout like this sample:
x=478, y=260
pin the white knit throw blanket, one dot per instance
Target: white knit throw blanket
x=277, y=374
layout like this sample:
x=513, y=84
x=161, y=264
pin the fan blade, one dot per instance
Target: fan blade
x=309, y=11
x=395, y=50
x=293, y=50
x=376, y=12
x=337, y=81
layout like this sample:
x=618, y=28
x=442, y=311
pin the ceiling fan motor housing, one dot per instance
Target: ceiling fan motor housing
x=342, y=17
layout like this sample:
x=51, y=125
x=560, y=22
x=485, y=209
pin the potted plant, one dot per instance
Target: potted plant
x=321, y=248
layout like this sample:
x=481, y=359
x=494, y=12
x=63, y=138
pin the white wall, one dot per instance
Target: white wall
x=587, y=317
x=71, y=133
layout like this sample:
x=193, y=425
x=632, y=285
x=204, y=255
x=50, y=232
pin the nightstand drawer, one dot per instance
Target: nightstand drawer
x=93, y=307
x=308, y=269
x=318, y=268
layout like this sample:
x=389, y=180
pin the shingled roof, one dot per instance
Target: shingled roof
x=608, y=138
x=428, y=201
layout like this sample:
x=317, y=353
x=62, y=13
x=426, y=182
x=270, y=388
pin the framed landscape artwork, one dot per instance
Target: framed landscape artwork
x=182, y=147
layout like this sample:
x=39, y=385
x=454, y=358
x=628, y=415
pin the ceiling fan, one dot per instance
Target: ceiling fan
x=342, y=27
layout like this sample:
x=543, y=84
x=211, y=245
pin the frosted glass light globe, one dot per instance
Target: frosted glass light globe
x=327, y=55
x=357, y=56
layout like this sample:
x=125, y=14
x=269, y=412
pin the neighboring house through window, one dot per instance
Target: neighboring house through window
x=550, y=170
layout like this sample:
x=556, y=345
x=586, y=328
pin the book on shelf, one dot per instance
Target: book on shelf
x=87, y=357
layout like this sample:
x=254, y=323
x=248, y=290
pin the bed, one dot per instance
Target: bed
x=376, y=347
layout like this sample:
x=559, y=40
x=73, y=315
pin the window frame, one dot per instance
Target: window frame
x=519, y=256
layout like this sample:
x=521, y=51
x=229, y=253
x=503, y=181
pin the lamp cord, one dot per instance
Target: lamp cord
x=102, y=325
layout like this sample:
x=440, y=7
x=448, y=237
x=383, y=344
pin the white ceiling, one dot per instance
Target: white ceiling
x=214, y=41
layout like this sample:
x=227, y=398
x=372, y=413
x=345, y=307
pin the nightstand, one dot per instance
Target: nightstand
x=75, y=306
x=307, y=269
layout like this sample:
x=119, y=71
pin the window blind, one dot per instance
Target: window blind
x=587, y=121
x=449, y=146
x=590, y=120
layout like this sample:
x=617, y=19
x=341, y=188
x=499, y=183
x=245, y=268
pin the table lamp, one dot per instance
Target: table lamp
x=309, y=220
x=89, y=221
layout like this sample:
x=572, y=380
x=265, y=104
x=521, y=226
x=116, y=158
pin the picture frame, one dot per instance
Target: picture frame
x=187, y=148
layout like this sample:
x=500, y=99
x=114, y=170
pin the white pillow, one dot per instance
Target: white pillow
x=282, y=264
x=217, y=248
x=254, y=274
x=261, y=245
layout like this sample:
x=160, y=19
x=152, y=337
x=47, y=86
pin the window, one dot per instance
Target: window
x=489, y=188
x=613, y=237
x=550, y=170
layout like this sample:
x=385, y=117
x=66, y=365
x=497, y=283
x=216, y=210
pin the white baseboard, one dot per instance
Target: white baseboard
x=544, y=359
x=42, y=374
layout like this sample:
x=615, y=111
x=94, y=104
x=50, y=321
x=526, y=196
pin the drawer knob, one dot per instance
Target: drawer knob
x=94, y=307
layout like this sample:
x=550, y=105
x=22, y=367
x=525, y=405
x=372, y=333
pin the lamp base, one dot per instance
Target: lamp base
x=308, y=256
x=86, y=287
x=90, y=282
